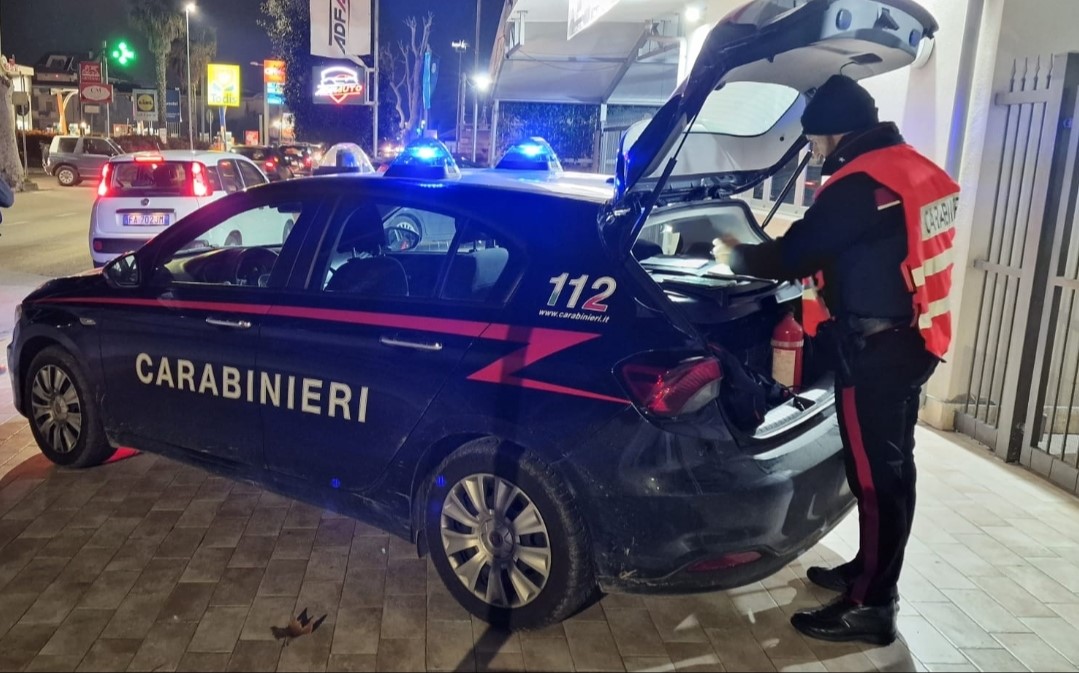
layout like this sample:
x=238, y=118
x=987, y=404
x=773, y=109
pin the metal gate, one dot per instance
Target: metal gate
x=1022, y=398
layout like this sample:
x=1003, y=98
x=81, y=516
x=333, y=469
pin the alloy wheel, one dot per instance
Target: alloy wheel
x=56, y=408
x=496, y=540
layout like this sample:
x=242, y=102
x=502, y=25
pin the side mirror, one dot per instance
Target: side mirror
x=401, y=239
x=123, y=272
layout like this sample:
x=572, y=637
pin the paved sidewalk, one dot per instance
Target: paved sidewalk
x=148, y=564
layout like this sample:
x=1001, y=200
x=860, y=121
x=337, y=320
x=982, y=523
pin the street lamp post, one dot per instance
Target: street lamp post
x=481, y=82
x=460, y=46
x=188, y=8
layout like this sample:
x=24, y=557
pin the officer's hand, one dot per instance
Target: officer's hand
x=722, y=247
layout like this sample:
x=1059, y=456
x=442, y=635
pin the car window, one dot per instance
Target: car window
x=98, y=146
x=142, y=178
x=385, y=249
x=484, y=268
x=252, y=175
x=239, y=248
x=67, y=145
x=745, y=108
x=228, y=176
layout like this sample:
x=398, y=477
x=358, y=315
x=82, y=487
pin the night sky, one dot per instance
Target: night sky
x=31, y=28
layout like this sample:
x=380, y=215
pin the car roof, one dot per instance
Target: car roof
x=578, y=187
x=182, y=155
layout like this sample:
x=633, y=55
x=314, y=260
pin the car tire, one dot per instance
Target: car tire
x=465, y=556
x=67, y=176
x=234, y=239
x=65, y=416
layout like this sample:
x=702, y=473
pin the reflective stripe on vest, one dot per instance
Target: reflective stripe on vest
x=930, y=199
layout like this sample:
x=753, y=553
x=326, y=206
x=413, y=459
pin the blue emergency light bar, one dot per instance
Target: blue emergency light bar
x=425, y=159
x=534, y=154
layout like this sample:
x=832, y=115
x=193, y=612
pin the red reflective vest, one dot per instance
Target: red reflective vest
x=929, y=198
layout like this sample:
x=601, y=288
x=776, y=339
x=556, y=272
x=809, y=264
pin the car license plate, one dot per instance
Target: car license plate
x=146, y=219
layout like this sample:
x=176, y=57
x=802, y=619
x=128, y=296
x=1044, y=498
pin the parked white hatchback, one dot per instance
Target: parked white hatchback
x=142, y=194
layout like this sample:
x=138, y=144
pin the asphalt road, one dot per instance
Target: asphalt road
x=44, y=235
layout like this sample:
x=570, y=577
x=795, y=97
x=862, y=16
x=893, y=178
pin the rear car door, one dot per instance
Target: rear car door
x=180, y=353
x=368, y=340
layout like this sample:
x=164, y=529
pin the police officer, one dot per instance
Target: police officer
x=879, y=235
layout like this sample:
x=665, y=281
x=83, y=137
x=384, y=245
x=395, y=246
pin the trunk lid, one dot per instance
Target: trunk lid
x=736, y=119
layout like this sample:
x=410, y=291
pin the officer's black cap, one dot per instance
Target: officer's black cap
x=840, y=105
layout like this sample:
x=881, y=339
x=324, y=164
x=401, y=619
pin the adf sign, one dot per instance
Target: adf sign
x=145, y=102
x=223, y=89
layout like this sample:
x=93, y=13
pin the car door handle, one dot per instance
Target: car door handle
x=433, y=346
x=231, y=324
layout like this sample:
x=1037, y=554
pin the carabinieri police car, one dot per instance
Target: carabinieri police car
x=547, y=381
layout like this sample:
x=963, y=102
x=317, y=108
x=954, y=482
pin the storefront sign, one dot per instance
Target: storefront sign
x=223, y=89
x=340, y=85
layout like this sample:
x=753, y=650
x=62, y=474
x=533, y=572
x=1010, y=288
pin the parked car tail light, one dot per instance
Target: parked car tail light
x=103, y=186
x=271, y=164
x=683, y=389
x=198, y=180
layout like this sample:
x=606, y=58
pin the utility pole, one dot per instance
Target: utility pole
x=108, y=104
x=460, y=46
x=374, y=61
x=475, y=92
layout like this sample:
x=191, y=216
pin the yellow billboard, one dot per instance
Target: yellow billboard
x=223, y=85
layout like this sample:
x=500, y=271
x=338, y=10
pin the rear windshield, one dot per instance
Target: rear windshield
x=255, y=153
x=169, y=178
x=745, y=108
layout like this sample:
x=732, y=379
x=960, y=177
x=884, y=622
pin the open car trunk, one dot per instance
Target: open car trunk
x=733, y=123
x=735, y=313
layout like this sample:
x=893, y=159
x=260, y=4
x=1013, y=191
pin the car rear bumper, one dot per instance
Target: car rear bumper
x=677, y=514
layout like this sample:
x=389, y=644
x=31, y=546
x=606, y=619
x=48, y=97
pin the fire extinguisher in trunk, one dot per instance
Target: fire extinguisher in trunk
x=788, y=341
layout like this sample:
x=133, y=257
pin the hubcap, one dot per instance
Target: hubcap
x=57, y=411
x=496, y=540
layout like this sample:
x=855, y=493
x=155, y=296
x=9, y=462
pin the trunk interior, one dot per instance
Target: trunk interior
x=736, y=313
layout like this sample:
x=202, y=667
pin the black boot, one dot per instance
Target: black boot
x=833, y=579
x=843, y=620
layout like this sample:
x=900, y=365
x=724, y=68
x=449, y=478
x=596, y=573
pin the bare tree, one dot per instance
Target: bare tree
x=162, y=25
x=11, y=170
x=403, y=67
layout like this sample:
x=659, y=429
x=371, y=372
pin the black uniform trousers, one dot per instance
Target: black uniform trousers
x=878, y=393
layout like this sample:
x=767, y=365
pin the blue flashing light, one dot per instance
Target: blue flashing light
x=425, y=159
x=915, y=37
x=335, y=483
x=534, y=154
x=531, y=150
x=440, y=481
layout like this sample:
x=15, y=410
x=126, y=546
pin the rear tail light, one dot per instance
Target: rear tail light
x=98, y=246
x=683, y=389
x=307, y=162
x=149, y=158
x=103, y=186
x=270, y=164
x=198, y=180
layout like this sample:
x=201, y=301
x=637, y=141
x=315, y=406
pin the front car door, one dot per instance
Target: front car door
x=96, y=153
x=368, y=338
x=180, y=353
